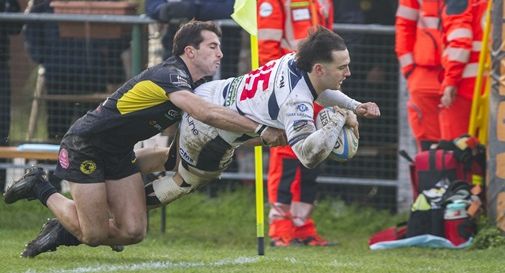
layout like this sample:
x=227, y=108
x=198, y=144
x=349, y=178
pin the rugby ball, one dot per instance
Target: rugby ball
x=347, y=143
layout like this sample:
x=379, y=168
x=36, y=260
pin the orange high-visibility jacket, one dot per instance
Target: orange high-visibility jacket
x=283, y=23
x=418, y=35
x=463, y=23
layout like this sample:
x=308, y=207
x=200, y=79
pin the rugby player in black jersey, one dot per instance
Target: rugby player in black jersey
x=96, y=155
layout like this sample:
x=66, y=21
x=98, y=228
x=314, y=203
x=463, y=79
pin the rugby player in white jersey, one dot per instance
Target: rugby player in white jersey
x=279, y=94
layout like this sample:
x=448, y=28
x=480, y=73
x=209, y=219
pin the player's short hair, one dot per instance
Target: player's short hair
x=190, y=34
x=317, y=47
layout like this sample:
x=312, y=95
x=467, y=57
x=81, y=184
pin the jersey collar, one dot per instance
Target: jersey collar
x=309, y=84
x=181, y=61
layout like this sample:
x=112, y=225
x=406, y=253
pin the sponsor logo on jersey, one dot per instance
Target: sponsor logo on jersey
x=191, y=124
x=302, y=107
x=231, y=96
x=173, y=114
x=298, y=125
x=88, y=167
x=282, y=82
x=155, y=124
x=185, y=155
x=63, y=158
x=178, y=80
x=303, y=115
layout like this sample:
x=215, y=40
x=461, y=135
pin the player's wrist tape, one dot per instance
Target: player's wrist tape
x=263, y=142
x=354, y=105
x=260, y=129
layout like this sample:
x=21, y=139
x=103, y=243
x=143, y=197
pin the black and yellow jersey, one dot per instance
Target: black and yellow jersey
x=139, y=109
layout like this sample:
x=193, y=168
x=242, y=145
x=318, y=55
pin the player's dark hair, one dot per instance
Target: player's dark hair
x=190, y=34
x=317, y=47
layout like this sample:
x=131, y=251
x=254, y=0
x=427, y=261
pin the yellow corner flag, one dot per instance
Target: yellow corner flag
x=244, y=13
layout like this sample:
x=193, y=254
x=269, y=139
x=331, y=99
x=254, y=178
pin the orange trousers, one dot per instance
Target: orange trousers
x=454, y=120
x=423, y=114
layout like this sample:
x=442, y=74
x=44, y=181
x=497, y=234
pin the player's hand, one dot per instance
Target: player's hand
x=339, y=115
x=352, y=121
x=448, y=97
x=368, y=110
x=273, y=137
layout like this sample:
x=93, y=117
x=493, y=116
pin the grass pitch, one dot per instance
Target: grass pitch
x=218, y=235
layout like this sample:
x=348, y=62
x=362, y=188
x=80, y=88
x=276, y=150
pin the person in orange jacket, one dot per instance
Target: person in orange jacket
x=283, y=23
x=291, y=186
x=463, y=23
x=418, y=48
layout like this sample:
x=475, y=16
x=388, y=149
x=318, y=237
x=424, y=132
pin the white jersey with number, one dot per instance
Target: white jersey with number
x=277, y=94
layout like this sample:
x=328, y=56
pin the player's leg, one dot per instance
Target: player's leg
x=89, y=171
x=80, y=166
x=87, y=215
x=127, y=206
x=202, y=155
x=51, y=236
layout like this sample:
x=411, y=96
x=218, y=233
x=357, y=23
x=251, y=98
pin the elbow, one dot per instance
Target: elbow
x=309, y=163
x=312, y=160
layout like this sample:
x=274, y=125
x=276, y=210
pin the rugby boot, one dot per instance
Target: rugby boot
x=45, y=241
x=117, y=248
x=23, y=188
x=50, y=237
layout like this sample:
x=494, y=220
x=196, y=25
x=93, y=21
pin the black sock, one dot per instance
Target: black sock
x=43, y=190
x=68, y=239
x=151, y=200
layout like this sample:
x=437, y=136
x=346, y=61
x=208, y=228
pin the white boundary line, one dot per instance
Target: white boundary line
x=153, y=266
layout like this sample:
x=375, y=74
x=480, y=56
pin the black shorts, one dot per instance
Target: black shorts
x=82, y=160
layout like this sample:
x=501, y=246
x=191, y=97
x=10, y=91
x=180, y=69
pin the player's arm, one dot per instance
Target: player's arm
x=316, y=147
x=311, y=146
x=223, y=118
x=337, y=98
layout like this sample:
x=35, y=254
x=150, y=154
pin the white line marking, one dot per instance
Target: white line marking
x=153, y=266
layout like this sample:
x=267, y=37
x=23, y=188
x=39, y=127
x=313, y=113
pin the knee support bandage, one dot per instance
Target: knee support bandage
x=167, y=190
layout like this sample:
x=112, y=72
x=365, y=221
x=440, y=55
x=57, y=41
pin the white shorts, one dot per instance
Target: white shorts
x=202, y=150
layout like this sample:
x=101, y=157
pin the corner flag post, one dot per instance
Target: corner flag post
x=244, y=13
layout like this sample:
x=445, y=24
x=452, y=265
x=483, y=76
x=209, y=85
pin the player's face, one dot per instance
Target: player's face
x=336, y=71
x=208, y=55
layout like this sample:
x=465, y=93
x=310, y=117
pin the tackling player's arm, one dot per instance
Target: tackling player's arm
x=223, y=118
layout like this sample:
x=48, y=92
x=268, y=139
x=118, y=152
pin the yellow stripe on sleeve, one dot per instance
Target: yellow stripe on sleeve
x=143, y=95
